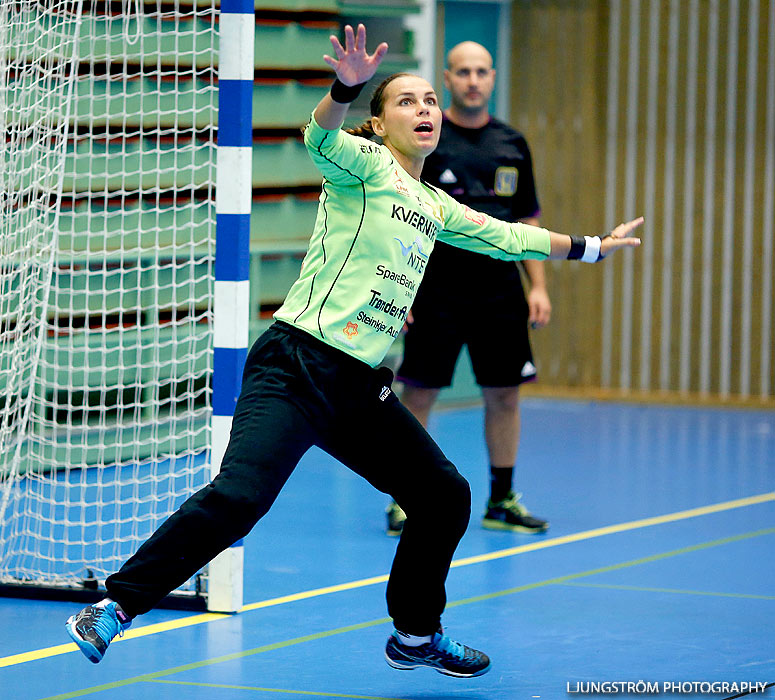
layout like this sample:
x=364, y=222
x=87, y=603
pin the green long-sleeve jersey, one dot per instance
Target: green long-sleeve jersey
x=376, y=226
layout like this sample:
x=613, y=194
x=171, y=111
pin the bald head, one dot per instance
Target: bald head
x=468, y=51
x=470, y=79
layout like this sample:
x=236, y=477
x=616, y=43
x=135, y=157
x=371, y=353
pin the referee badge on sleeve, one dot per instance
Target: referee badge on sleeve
x=506, y=181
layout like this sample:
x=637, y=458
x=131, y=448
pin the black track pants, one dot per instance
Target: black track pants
x=298, y=392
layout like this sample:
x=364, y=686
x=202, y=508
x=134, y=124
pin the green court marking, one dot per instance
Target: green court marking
x=218, y=660
x=646, y=589
x=277, y=690
x=614, y=567
x=144, y=630
x=372, y=623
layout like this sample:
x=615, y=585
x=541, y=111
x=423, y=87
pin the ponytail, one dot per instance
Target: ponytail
x=364, y=130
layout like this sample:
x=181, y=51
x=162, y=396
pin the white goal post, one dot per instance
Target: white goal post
x=109, y=116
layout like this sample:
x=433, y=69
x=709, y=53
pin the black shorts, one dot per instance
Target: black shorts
x=468, y=299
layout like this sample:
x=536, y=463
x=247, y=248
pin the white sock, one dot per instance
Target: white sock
x=103, y=603
x=412, y=640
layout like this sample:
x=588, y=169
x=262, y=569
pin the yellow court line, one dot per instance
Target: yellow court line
x=129, y=634
x=224, y=686
x=148, y=677
x=316, y=592
x=623, y=527
x=156, y=675
x=563, y=580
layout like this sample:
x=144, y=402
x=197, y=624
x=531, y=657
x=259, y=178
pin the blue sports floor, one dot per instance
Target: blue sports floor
x=659, y=567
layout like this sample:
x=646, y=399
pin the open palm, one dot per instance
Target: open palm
x=352, y=64
x=621, y=237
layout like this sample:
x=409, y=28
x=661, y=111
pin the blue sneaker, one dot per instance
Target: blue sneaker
x=94, y=628
x=441, y=653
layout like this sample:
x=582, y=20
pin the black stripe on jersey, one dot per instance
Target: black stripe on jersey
x=357, y=232
x=465, y=235
x=334, y=163
x=347, y=257
x=323, y=246
x=489, y=243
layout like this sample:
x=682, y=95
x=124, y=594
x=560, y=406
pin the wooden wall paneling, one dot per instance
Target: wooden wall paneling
x=663, y=108
x=556, y=103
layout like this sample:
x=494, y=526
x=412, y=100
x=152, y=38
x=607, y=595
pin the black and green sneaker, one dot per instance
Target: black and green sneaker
x=509, y=514
x=395, y=519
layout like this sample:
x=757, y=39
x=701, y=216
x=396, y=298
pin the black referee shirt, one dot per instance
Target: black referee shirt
x=490, y=170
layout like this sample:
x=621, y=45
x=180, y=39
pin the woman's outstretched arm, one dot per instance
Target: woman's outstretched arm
x=592, y=249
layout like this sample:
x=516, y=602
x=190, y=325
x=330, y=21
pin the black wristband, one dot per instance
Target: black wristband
x=344, y=94
x=577, y=247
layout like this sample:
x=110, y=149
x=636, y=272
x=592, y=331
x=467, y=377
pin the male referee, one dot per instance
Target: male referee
x=474, y=300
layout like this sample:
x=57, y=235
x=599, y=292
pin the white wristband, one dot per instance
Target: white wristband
x=592, y=249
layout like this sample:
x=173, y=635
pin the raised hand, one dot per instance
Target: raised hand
x=352, y=64
x=620, y=237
